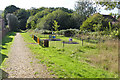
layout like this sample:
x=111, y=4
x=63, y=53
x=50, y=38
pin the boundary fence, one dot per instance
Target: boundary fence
x=41, y=42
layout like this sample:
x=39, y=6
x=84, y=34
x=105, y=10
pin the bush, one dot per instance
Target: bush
x=70, y=32
x=95, y=23
x=61, y=32
x=118, y=34
x=12, y=22
x=46, y=32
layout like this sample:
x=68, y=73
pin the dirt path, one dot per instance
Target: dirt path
x=21, y=63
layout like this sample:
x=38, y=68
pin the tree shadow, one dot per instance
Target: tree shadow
x=3, y=74
x=7, y=38
x=2, y=57
x=90, y=47
x=81, y=51
x=4, y=48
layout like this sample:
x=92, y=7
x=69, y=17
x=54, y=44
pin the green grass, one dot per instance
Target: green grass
x=69, y=61
x=6, y=44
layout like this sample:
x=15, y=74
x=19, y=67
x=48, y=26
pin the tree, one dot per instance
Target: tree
x=37, y=17
x=12, y=22
x=33, y=25
x=109, y=4
x=65, y=9
x=9, y=9
x=84, y=8
x=95, y=23
x=55, y=25
x=60, y=16
x=75, y=20
x=22, y=15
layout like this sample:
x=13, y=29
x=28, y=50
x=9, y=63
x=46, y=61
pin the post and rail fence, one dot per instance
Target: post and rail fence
x=43, y=43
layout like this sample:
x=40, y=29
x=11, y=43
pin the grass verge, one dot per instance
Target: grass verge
x=67, y=62
x=6, y=44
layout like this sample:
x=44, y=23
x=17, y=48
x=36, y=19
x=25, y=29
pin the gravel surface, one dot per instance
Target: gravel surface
x=22, y=64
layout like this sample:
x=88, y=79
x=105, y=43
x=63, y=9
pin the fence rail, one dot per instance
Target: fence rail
x=41, y=42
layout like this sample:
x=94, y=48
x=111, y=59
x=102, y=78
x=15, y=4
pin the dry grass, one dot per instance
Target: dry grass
x=107, y=56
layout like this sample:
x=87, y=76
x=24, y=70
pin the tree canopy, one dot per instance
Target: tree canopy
x=22, y=15
x=12, y=22
x=60, y=16
x=95, y=23
x=85, y=8
x=9, y=9
x=109, y=4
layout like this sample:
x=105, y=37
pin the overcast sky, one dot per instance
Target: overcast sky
x=27, y=4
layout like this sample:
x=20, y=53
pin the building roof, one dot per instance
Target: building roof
x=110, y=17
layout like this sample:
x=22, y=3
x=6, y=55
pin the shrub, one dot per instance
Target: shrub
x=118, y=34
x=95, y=23
x=12, y=22
x=46, y=32
x=61, y=32
x=70, y=32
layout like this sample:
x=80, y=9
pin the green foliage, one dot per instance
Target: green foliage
x=55, y=25
x=116, y=25
x=75, y=20
x=46, y=32
x=68, y=62
x=96, y=23
x=109, y=5
x=22, y=15
x=44, y=19
x=70, y=32
x=60, y=16
x=110, y=27
x=37, y=18
x=9, y=9
x=6, y=44
x=65, y=9
x=118, y=34
x=12, y=22
x=34, y=11
x=61, y=32
x=33, y=25
x=84, y=8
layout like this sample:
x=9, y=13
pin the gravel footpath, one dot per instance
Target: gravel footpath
x=22, y=64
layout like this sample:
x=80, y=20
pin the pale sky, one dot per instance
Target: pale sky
x=27, y=4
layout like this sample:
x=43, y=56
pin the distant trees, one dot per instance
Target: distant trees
x=12, y=22
x=9, y=9
x=109, y=4
x=66, y=18
x=60, y=16
x=42, y=18
x=85, y=8
x=22, y=15
x=95, y=23
x=36, y=18
x=75, y=21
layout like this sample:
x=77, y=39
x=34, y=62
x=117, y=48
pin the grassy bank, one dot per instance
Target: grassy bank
x=70, y=61
x=6, y=44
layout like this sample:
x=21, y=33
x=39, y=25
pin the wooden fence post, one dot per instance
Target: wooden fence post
x=46, y=43
x=33, y=36
x=38, y=40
